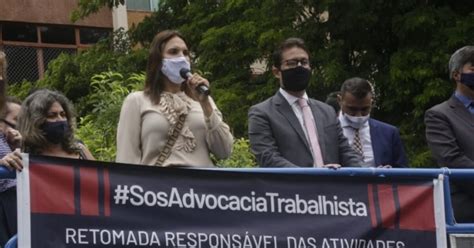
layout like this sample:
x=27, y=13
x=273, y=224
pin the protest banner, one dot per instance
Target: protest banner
x=78, y=203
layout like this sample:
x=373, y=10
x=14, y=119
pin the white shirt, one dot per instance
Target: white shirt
x=364, y=134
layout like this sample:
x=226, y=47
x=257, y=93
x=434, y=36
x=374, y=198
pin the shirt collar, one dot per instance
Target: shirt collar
x=466, y=101
x=290, y=98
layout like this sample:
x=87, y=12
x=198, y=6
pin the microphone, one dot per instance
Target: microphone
x=201, y=88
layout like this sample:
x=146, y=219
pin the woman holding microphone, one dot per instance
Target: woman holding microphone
x=171, y=122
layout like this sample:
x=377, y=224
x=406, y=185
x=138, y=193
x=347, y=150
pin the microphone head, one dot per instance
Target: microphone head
x=184, y=73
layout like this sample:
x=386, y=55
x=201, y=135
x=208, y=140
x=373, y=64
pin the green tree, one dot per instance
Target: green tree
x=401, y=46
x=98, y=128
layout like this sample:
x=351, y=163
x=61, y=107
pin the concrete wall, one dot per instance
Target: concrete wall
x=135, y=16
x=50, y=12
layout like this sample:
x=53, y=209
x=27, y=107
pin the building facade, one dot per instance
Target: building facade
x=34, y=32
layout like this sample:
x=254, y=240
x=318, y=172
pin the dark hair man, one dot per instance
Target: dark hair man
x=450, y=130
x=331, y=100
x=290, y=129
x=377, y=142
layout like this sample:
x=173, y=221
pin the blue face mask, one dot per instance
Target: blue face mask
x=468, y=79
x=172, y=66
x=56, y=132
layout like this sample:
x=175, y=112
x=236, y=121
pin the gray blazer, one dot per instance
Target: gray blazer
x=278, y=140
x=450, y=136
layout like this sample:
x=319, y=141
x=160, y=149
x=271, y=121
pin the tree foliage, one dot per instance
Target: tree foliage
x=402, y=46
x=98, y=128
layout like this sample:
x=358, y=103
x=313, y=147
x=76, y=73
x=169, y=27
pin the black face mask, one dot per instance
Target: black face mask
x=468, y=80
x=295, y=79
x=56, y=132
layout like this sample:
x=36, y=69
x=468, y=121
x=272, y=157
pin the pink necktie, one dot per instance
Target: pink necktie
x=311, y=132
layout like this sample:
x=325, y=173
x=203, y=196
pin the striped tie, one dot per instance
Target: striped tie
x=357, y=144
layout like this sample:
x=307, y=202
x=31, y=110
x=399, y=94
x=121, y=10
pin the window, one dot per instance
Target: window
x=28, y=56
x=58, y=35
x=19, y=32
x=146, y=5
x=92, y=35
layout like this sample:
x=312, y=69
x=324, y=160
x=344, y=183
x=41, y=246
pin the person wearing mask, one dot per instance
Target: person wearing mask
x=10, y=157
x=377, y=142
x=450, y=130
x=292, y=130
x=47, y=123
x=170, y=122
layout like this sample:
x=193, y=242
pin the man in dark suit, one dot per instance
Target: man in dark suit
x=450, y=130
x=377, y=142
x=292, y=130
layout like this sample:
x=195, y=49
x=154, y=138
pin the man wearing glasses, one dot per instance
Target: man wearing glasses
x=292, y=130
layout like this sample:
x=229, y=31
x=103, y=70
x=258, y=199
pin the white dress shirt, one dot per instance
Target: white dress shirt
x=364, y=134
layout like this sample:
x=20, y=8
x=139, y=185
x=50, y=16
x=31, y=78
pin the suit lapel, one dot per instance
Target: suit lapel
x=461, y=111
x=285, y=109
x=374, y=132
x=319, y=125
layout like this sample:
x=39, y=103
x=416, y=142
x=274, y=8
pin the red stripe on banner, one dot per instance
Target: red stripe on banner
x=373, y=217
x=387, y=205
x=89, y=191
x=106, y=193
x=417, y=208
x=52, y=189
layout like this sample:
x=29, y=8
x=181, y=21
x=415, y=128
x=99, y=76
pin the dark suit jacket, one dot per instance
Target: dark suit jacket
x=386, y=144
x=450, y=136
x=278, y=140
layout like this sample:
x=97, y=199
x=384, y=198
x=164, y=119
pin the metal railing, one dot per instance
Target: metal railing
x=449, y=174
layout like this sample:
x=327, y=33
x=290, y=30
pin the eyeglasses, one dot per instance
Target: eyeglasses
x=292, y=63
x=8, y=123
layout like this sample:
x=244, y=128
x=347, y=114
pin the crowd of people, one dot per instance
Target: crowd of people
x=173, y=123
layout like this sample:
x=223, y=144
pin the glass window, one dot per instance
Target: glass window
x=139, y=5
x=19, y=32
x=93, y=35
x=154, y=5
x=58, y=35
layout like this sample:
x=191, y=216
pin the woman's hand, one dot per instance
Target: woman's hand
x=13, y=160
x=193, y=83
x=13, y=138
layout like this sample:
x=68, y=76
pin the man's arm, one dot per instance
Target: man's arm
x=442, y=142
x=262, y=141
x=399, y=157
